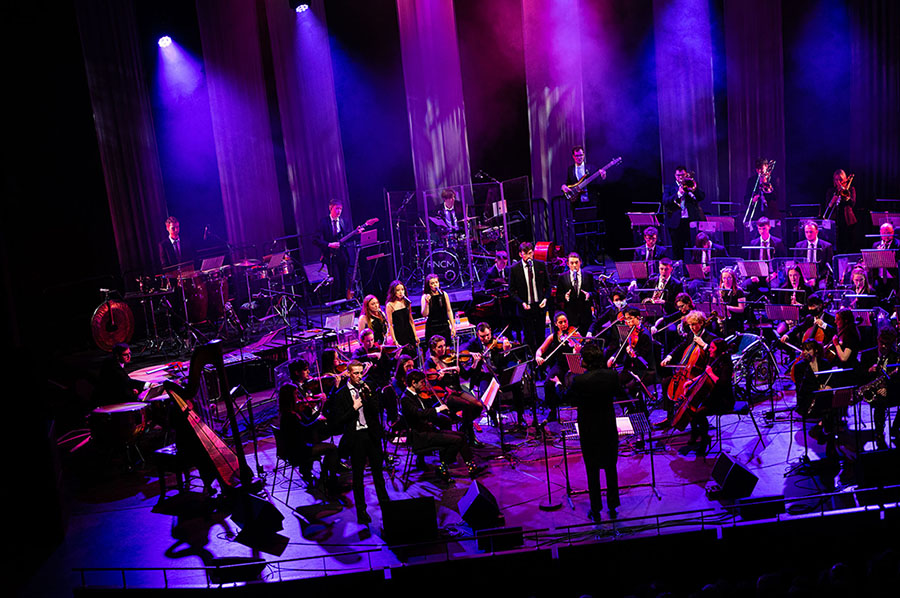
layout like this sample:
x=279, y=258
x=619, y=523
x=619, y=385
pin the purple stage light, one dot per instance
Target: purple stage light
x=165, y=41
x=302, y=8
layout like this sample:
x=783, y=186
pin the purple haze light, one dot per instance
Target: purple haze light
x=165, y=41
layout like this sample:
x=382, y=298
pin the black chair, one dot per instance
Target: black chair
x=291, y=462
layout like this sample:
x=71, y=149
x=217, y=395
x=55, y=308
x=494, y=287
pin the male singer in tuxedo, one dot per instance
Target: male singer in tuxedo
x=530, y=287
x=578, y=170
x=651, y=250
x=682, y=203
x=334, y=254
x=575, y=288
x=173, y=250
x=356, y=411
x=815, y=250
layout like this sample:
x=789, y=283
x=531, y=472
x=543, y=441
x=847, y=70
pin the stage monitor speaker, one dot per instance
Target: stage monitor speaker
x=255, y=515
x=479, y=508
x=878, y=469
x=409, y=521
x=734, y=480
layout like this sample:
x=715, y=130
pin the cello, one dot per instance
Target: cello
x=679, y=386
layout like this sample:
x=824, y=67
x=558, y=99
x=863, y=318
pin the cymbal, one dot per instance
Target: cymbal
x=247, y=263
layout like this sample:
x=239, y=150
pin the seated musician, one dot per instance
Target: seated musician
x=796, y=290
x=444, y=372
x=766, y=246
x=665, y=287
x=717, y=396
x=673, y=326
x=615, y=312
x=391, y=393
x=815, y=323
x=498, y=274
x=550, y=357
x=379, y=372
x=303, y=430
x=490, y=361
x=817, y=251
x=859, y=282
x=888, y=278
x=115, y=385
x=694, y=349
x=731, y=296
x=426, y=417
x=886, y=393
x=651, y=251
x=704, y=252
x=635, y=355
x=804, y=373
x=845, y=344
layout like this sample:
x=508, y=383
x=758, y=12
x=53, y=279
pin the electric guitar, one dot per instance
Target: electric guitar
x=578, y=188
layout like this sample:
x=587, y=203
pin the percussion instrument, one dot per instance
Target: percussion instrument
x=112, y=323
x=445, y=264
x=545, y=251
x=117, y=425
x=194, y=286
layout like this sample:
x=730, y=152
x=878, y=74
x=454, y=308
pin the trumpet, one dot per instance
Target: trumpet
x=688, y=183
x=842, y=192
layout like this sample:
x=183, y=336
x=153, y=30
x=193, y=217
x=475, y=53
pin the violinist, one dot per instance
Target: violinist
x=427, y=427
x=889, y=394
x=816, y=324
x=692, y=354
x=356, y=411
x=303, y=431
x=614, y=313
x=443, y=370
x=371, y=317
x=840, y=200
x=715, y=396
x=731, y=296
x=576, y=290
x=436, y=309
x=673, y=325
x=635, y=355
x=859, y=281
x=551, y=357
x=491, y=358
x=761, y=191
x=665, y=287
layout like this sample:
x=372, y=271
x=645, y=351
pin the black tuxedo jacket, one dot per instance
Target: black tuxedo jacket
x=115, y=385
x=824, y=255
x=593, y=393
x=672, y=205
x=325, y=235
x=577, y=308
x=673, y=287
x=694, y=256
x=439, y=211
x=776, y=248
x=589, y=169
x=659, y=252
x=518, y=287
x=167, y=257
x=345, y=416
x=495, y=277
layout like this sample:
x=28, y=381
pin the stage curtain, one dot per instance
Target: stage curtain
x=229, y=32
x=434, y=94
x=553, y=75
x=307, y=104
x=684, y=79
x=755, y=94
x=122, y=117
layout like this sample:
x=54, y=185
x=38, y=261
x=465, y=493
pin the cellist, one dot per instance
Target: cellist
x=692, y=358
x=816, y=325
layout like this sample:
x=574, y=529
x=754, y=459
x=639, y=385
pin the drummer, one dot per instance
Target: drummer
x=448, y=212
x=173, y=250
x=115, y=385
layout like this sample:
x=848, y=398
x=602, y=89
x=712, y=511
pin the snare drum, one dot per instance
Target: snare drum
x=117, y=425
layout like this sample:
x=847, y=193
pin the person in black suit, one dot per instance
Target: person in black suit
x=682, y=205
x=759, y=188
x=115, y=385
x=593, y=393
x=815, y=250
x=770, y=248
x=887, y=279
x=575, y=288
x=498, y=274
x=530, y=288
x=448, y=221
x=666, y=286
x=577, y=171
x=493, y=361
x=335, y=255
x=651, y=250
x=356, y=411
x=173, y=250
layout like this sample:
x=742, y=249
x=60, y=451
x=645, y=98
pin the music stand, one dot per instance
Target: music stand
x=809, y=269
x=632, y=270
x=642, y=219
x=315, y=272
x=275, y=260
x=863, y=317
x=212, y=263
x=574, y=362
x=757, y=268
x=695, y=271
x=879, y=258
x=652, y=310
x=783, y=312
x=879, y=218
x=723, y=224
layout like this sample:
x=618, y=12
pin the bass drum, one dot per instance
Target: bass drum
x=546, y=251
x=445, y=264
x=112, y=323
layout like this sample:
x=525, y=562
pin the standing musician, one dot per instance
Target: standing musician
x=401, y=326
x=816, y=251
x=665, y=287
x=492, y=360
x=173, y=250
x=442, y=366
x=692, y=352
x=635, y=355
x=328, y=235
x=303, y=432
x=759, y=188
x=356, y=412
x=576, y=289
x=651, y=250
x=840, y=200
x=428, y=427
x=816, y=324
x=594, y=393
x=887, y=393
x=731, y=296
x=436, y=308
x=716, y=395
x=530, y=288
x=578, y=171
x=682, y=204
x=551, y=357
x=372, y=318
x=888, y=278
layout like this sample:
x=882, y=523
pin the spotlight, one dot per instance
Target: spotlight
x=302, y=8
x=165, y=41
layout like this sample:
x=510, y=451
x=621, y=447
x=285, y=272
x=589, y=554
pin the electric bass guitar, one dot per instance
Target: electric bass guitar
x=578, y=188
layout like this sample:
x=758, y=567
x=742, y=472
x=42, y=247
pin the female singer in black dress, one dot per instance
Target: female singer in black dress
x=401, y=327
x=437, y=310
x=371, y=317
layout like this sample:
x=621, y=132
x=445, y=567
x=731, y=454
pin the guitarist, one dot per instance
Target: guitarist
x=578, y=171
x=335, y=255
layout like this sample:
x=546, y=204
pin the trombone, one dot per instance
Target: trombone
x=763, y=185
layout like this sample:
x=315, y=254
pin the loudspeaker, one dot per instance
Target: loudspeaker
x=479, y=508
x=734, y=480
x=409, y=521
x=255, y=515
x=877, y=469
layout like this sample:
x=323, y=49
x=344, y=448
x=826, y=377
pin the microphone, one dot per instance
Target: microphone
x=205, y=231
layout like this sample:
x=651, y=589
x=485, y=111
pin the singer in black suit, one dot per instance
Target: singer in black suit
x=334, y=254
x=575, y=290
x=682, y=203
x=530, y=275
x=173, y=250
x=356, y=411
x=578, y=170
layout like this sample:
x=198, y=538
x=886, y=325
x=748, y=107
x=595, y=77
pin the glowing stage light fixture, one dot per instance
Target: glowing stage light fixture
x=165, y=41
x=302, y=8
